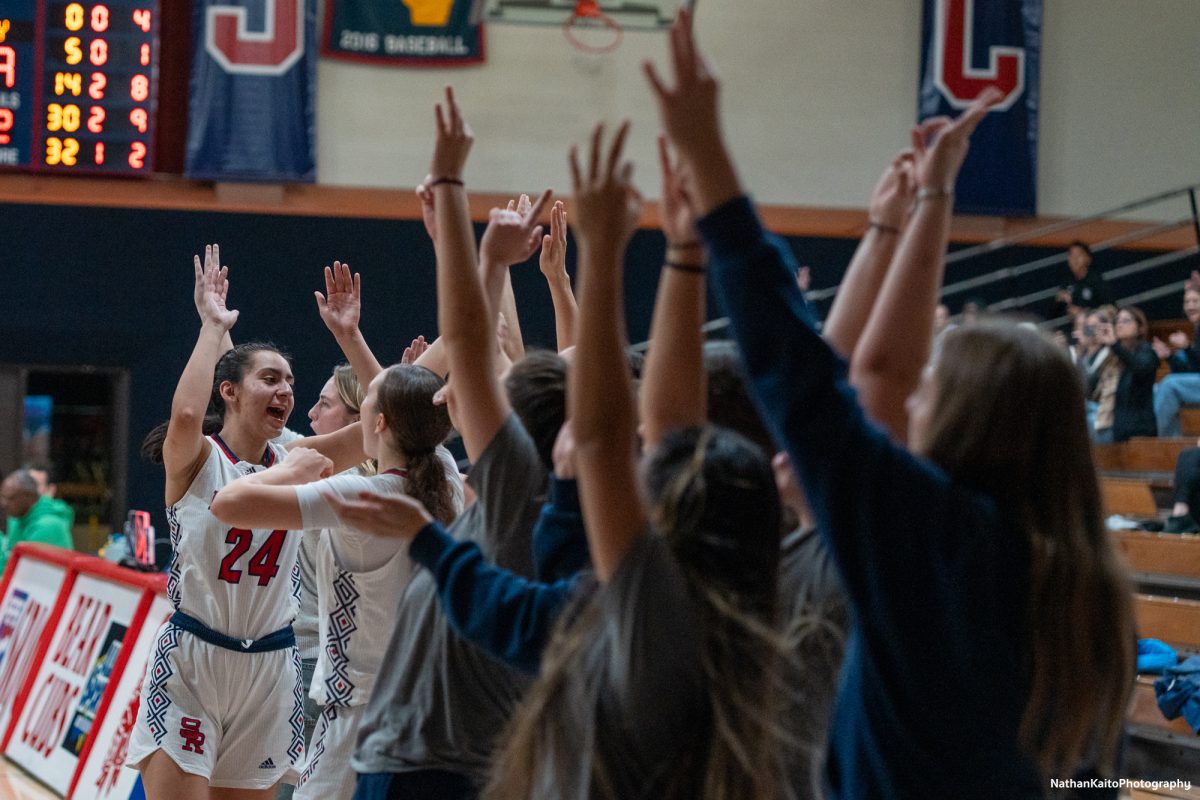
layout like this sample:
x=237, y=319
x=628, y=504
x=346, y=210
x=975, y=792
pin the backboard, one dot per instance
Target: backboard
x=628, y=14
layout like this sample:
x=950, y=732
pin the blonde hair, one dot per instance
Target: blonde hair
x=351, y=393
x=1010, y=424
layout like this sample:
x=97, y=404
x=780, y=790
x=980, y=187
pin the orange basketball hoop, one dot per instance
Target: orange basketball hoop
x=588, y=16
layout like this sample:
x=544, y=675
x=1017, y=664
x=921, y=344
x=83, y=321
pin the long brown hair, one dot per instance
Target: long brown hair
x=417, y=426
x=712, y=495
x=1009, y=422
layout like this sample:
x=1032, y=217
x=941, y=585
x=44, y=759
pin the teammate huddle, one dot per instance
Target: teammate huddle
x=633, y=560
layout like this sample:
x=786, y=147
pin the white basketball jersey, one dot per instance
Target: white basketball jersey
x=242, y=583
x=356, y=613
x=357, y=608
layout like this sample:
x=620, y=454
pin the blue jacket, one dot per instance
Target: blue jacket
x=934, y=683
x=1178, y=692
x=509, y=616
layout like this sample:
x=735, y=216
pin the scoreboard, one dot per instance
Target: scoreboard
x=78, y=85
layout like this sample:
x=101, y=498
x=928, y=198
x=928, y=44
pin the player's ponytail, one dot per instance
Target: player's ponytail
x=405, y=399
x=152, y=445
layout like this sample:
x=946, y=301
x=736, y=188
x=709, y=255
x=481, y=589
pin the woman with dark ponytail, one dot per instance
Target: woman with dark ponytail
x=360, y=576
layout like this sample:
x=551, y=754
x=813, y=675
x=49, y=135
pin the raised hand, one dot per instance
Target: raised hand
x=414, y=350
x=553, y=259
x=306, y=465
x=454, y=140
x=607, y=204
x=940, y=144
x=1160, y=348
x=212, y=289
x=689, y=109
x=512, y=235
x=678, y=221
x=393, y=515
x=341, y=305
x=893, y=196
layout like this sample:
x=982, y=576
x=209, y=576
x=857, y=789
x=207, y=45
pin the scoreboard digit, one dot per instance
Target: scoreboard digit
x=84, y=85
x=99, y=86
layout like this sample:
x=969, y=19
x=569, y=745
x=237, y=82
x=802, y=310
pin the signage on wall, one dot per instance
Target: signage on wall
x=251, y=114
x=423, y=33
x=966, y=47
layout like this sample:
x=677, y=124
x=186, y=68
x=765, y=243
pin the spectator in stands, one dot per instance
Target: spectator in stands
x=44, y=475
x=941, y=320
x=32, y=517
x=1187, y=493
x=1090, y=356
x=972, y=309
x=1182, y=386
x=1133, y=407
x=1089, y=289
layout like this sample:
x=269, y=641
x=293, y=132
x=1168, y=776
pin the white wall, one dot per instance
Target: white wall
x=817, y=96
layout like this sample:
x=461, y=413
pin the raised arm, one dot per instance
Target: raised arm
x=466, y=324
x=895, y=346
x=185, y=447
x=198, y=296
x=507, y=302
x=553, y=263
x=887, y=216
x=689, y=117
x=599, y=387
x=343, y=447
x=512, y=237
x=341, y=309
x=673, y=391
x=799, y=383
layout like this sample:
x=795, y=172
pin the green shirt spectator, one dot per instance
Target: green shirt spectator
x=32, y=518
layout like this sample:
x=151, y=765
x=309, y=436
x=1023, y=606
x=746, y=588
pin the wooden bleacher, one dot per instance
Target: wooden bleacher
x=1128, y=497
x=1189, y=420
x=1171, y=619
x=1176, y=622
x=1171, y=554
x=1141, y=454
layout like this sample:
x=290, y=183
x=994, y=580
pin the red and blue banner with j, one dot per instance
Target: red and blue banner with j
x=254, y=73
x=967, y=46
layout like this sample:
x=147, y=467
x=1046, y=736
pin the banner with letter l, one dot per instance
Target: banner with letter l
x=251, y=114
x=967, y=46
x=419, y=33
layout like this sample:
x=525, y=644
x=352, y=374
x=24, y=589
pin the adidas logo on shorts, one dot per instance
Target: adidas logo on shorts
x=268, y=764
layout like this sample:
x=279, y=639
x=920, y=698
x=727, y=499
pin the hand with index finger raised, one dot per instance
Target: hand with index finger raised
x=454, y=140
x=940, y=144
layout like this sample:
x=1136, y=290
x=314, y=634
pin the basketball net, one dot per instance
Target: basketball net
x=590, y=30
